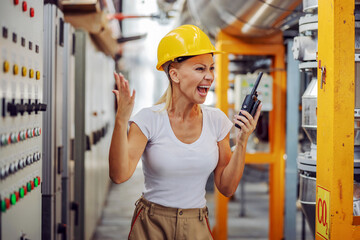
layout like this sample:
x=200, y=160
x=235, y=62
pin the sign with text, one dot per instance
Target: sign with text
x=322, y=212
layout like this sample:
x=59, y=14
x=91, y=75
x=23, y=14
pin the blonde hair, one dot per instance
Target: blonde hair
x=167, y=96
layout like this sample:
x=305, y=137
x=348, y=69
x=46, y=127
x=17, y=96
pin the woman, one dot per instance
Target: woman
x=180, y=140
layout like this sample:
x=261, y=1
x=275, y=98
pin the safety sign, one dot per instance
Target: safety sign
x=322, y=212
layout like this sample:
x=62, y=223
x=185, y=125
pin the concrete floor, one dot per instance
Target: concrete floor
x=117, y=213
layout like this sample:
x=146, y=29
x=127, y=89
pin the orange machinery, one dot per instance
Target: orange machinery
x=273, y=47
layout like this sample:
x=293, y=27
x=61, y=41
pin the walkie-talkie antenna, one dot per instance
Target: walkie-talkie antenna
x=256, y=83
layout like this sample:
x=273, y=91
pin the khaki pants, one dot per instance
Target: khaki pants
x=155, y=222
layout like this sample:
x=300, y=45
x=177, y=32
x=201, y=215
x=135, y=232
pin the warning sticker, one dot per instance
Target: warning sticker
x=322, y=212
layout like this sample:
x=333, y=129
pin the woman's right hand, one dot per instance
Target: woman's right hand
x=124, y=98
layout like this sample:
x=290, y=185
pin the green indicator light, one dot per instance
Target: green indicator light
x=266, y=85
x=3, y=206
x=36, y=182
x=28, y=185
x=13, y=199
x=21, y=191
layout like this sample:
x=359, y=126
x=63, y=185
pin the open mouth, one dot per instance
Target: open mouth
x=203, y=90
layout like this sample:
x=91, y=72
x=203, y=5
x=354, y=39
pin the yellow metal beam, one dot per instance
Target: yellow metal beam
x=221, y=86
x=335, y=114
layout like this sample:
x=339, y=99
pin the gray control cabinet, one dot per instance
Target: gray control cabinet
x=21, y=126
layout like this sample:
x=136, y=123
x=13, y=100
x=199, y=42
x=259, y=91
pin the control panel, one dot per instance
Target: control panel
x=244, y=84
x=21, y=108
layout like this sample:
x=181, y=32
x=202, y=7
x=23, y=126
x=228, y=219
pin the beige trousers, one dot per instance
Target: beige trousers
x=155, y=222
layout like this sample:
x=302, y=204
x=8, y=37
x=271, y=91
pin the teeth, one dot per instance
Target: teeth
x=204, y=86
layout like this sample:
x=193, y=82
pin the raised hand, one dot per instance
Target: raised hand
x=247, y=124
x=124, y=98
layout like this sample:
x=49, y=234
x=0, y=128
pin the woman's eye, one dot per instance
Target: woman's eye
x=199, y=69
x=212, y=68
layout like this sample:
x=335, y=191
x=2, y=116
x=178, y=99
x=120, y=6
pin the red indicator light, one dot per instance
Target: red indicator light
x=25, y=190
x=32, y=12
x=16, y=2
x=17, y=196
x=24, y=6
x=32, y=184
x=7, y=201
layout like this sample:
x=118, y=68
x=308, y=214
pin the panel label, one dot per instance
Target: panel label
x=322, y=212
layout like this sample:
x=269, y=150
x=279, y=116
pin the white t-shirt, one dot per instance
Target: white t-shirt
x=175, y=172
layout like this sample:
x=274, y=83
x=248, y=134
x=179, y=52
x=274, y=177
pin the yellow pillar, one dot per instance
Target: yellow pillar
x=335, y=114
x=222, y=85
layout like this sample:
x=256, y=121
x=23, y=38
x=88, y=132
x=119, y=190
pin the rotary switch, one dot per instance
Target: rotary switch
x=29, y=160
x=21, y=163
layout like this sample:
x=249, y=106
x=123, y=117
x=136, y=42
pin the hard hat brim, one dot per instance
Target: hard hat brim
x=159, y=65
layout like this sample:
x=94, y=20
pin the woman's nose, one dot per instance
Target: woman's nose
x=209, y=76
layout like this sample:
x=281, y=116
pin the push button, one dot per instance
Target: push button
x=14, y=138
x=12, y=168
x=24, y=6
x=23, y=70
x=21, y=163
x=16, y=69
x=30, y=133
x=3, y=173
x=17, y=196
x=4, y=139
x=21, y=192
x=37, y=75
x=5, y=32
x=6, y=66
x=3, y=205
x=7, y=201
x=28, y=160
x=13, y=199
x=14, y=37
x=22, y=135
x=31, y=73
x=36, y=182
x=32, y=12
x=180, y=212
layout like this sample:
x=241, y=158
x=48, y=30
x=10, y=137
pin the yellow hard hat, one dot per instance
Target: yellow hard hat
x=186, y=40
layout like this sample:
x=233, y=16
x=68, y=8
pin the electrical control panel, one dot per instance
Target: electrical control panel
x=244, y=84
x=21, y=110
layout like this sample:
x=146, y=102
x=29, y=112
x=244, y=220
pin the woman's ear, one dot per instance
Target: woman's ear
x=174, y=75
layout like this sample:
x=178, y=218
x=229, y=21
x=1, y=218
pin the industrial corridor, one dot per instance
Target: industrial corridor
x=180, y=119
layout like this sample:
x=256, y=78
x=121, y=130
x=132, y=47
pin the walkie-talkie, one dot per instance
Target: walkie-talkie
x=251, y=102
